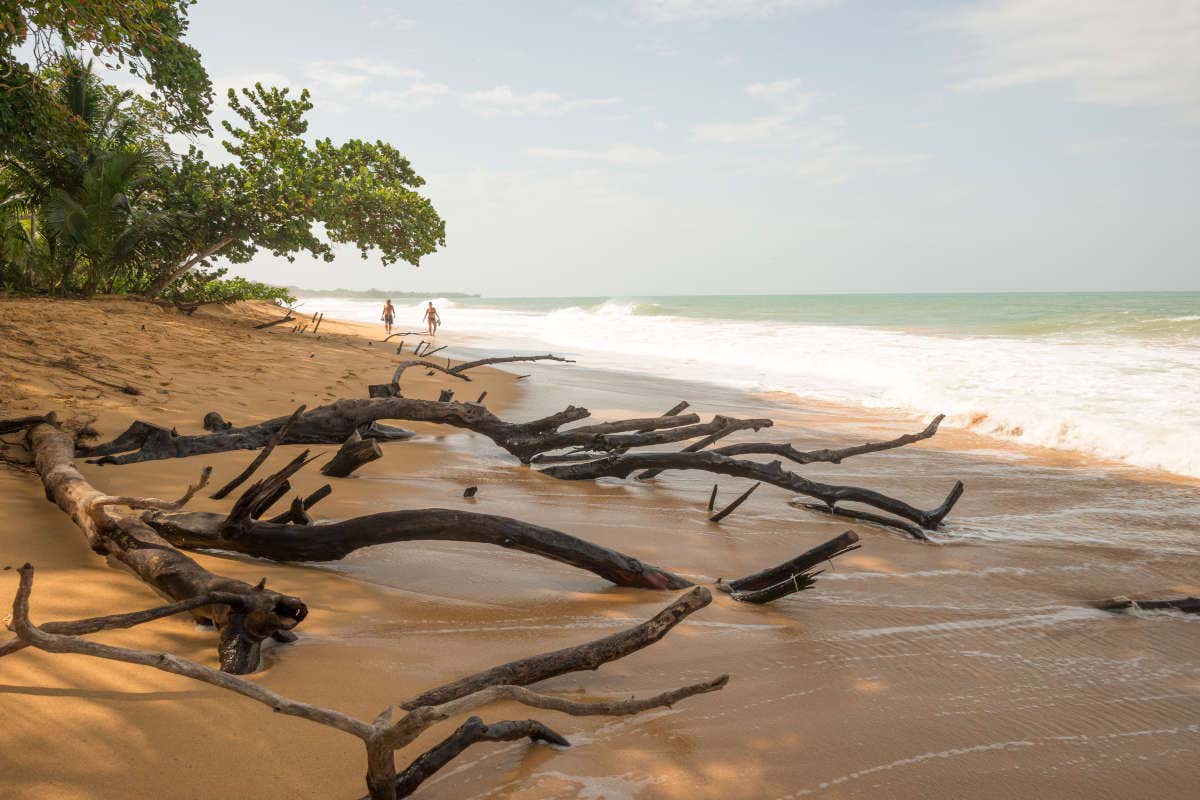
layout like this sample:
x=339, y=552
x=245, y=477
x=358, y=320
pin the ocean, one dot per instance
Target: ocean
x=1110, y=375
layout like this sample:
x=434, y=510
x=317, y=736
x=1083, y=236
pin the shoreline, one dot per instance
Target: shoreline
x=907, y=671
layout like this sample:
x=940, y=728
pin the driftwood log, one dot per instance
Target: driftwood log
x=257, y=614
x=354, y=452
x=791, y=576
x=1188, y=605
x=382, y=737
x=333, y=423
x=335, y=540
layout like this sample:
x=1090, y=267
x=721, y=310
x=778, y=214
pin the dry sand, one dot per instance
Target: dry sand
x=969, y=668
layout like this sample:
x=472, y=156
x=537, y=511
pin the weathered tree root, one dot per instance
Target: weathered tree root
x=791, y=576
x=382, y=737
x=620, y=466
x=258, y=613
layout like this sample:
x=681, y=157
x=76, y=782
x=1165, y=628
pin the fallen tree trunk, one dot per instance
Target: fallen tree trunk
x=333, y=423
x=335, y=540
x=620, y=466
x=260, y=613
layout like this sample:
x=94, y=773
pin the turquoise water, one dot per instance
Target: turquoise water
x=1138, y=314
x=1104, y=374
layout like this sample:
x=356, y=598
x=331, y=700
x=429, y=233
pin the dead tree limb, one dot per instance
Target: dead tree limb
x=286, y=318
x=620, y=466
x=648, y=438
x=129, y=540
x=253, y=466
x=589, y=656
x=791, y=576
x=826, y=455
x=335, y=540
x=421, y=362
x=354, y=453
x=694, y=447
x=381, y=737
x=729, y=509
x=483, y=362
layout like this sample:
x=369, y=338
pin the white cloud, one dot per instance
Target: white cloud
x=381, y=83
x=793, y=140
x=757, y=129
x=621, y=154
x=504, y=100
x=1109, y=52
x=397, y=21
x=417, y=94
x=682, y=10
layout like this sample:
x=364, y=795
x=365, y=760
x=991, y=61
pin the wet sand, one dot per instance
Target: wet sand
x=971, y=667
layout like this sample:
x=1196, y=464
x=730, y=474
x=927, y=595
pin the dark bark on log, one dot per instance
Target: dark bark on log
x=215, y=422
x=335, y=540
x=694, y=447
x=331, y=424
x=383, y=390
x=674, y=410
x=621, y=466
x=1188, y=605
x=259, y=497
x=483, y=362
x=471, y=732
x=789, y=577
x=269, y=500
x=865, y=516
x=129, y=540
x=258, y=460
x=19, y=424
x=354, y=453
x=446, y=395
x=729, y=509
x=588, y=656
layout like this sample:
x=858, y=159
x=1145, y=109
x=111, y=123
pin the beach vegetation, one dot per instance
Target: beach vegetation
x=94, y=198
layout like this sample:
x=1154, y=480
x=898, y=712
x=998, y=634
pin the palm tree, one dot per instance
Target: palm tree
x=99, y=223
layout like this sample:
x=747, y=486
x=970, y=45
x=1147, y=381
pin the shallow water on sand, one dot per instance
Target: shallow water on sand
x=973, y=666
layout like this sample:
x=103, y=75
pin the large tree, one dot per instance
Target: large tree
x=280, y=192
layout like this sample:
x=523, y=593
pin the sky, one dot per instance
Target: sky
x=641, y=147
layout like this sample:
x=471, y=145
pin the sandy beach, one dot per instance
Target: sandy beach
x=974, y=665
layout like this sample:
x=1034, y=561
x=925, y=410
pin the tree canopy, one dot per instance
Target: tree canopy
x=92, y=198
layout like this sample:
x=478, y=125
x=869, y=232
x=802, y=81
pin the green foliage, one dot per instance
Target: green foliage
x=92, y=198
x=210, y=286
x=144, y=37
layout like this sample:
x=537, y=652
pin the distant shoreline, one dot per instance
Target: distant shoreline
x=372, y=294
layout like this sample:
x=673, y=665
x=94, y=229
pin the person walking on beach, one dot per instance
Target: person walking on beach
x=389, y=314
x=432, y=320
